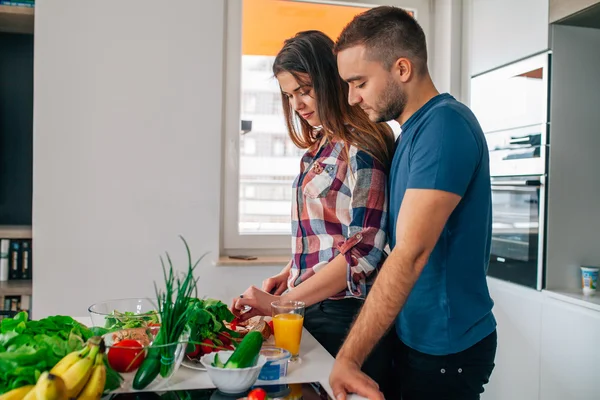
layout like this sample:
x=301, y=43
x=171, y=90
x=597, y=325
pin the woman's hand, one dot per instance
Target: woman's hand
x=259, y=301
x=276, y=284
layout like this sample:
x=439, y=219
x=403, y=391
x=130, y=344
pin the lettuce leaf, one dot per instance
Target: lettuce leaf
x=28, y=348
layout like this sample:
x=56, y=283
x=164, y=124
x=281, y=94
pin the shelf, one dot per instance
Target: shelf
x=15, y=288
x=575, y=297
x=15, y=232
x=15, y=19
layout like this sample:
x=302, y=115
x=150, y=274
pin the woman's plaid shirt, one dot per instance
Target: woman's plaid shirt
x=339, y=207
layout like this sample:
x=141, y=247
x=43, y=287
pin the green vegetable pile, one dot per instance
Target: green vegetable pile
x=28, y=348
x=205, y=319
x=117, y=320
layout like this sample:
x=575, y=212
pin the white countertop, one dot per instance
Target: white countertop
x=314, y=366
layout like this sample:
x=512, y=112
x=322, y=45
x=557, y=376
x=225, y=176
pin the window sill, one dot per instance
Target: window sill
x=261, y=261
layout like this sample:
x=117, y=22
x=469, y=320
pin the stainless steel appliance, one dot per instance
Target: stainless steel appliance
x=511, y=104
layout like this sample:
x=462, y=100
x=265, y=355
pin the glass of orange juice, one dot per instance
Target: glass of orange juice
x=288, y=318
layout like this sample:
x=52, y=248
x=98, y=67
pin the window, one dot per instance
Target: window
x=262, y=163
x=279, y=147
x=249, y=146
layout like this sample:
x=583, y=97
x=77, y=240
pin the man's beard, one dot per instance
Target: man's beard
x=392, y=104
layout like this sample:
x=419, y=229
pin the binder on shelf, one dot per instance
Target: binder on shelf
x=25, y=303
x=17, y=303
x=15, y=260
x=4, y=247
x=26, y=259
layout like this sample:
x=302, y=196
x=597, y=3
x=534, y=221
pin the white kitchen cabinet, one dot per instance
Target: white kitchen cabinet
x=504, y=31
x=518, y=312
x=570, y=354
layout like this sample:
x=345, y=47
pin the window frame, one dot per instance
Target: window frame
x=232, y=242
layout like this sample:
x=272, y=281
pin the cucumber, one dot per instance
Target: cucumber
x=246, y=354
x=216, y=362
x=150, y=367
x=147, y=372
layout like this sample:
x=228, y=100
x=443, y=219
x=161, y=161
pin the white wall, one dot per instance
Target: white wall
x=127, y=149
x=445, y=48
x=424, y=10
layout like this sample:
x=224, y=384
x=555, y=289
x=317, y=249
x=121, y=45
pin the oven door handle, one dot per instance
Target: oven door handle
x=504, y=185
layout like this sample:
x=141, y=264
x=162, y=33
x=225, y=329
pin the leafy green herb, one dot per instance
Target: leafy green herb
x=129, y=320
x=206, y=318
x=28, y=348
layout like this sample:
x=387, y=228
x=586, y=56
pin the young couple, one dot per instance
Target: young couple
x=426, y=329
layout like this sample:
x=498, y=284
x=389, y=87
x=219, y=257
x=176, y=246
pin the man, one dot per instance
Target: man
x=433, y=285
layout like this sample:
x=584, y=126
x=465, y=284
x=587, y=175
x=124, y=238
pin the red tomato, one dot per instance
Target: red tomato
x=154, y=328
x=126, y=356
x=257, y=394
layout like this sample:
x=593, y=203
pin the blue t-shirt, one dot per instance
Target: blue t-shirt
x=443, y=147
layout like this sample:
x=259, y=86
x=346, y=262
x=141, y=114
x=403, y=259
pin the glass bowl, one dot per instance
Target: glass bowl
x=129, y=350
x=124, y=314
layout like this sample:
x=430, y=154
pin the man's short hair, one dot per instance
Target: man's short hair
x=388, y=33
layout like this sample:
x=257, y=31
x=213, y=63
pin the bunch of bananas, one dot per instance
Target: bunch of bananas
x=79, y=375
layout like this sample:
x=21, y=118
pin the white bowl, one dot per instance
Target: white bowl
x=231, y=381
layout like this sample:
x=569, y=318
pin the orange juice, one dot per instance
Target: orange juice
x=288, y=332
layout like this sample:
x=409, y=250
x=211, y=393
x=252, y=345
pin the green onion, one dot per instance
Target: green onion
x=174, y=312
x=172, y=305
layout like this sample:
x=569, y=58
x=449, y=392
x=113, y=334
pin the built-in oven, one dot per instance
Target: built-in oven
x=511, y=104
x=518, y=214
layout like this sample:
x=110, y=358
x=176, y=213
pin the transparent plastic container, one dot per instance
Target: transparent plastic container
x=276, y=365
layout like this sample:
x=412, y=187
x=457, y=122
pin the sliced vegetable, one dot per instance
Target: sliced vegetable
x=217, y=362
x=247, y=352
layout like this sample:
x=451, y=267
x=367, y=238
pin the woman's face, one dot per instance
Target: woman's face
x=301, y=97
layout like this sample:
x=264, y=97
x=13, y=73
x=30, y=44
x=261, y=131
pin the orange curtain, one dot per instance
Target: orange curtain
x=267, y=23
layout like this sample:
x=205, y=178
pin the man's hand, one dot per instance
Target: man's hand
x=346, y=377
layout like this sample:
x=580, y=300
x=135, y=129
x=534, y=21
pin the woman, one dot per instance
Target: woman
x=340, y=199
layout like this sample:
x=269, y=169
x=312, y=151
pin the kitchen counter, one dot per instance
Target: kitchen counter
x=314, y=366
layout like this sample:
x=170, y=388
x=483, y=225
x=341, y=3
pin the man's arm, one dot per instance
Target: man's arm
x=422, y=218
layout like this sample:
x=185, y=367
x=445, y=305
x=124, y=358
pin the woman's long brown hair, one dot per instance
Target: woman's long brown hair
x=311, y=53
